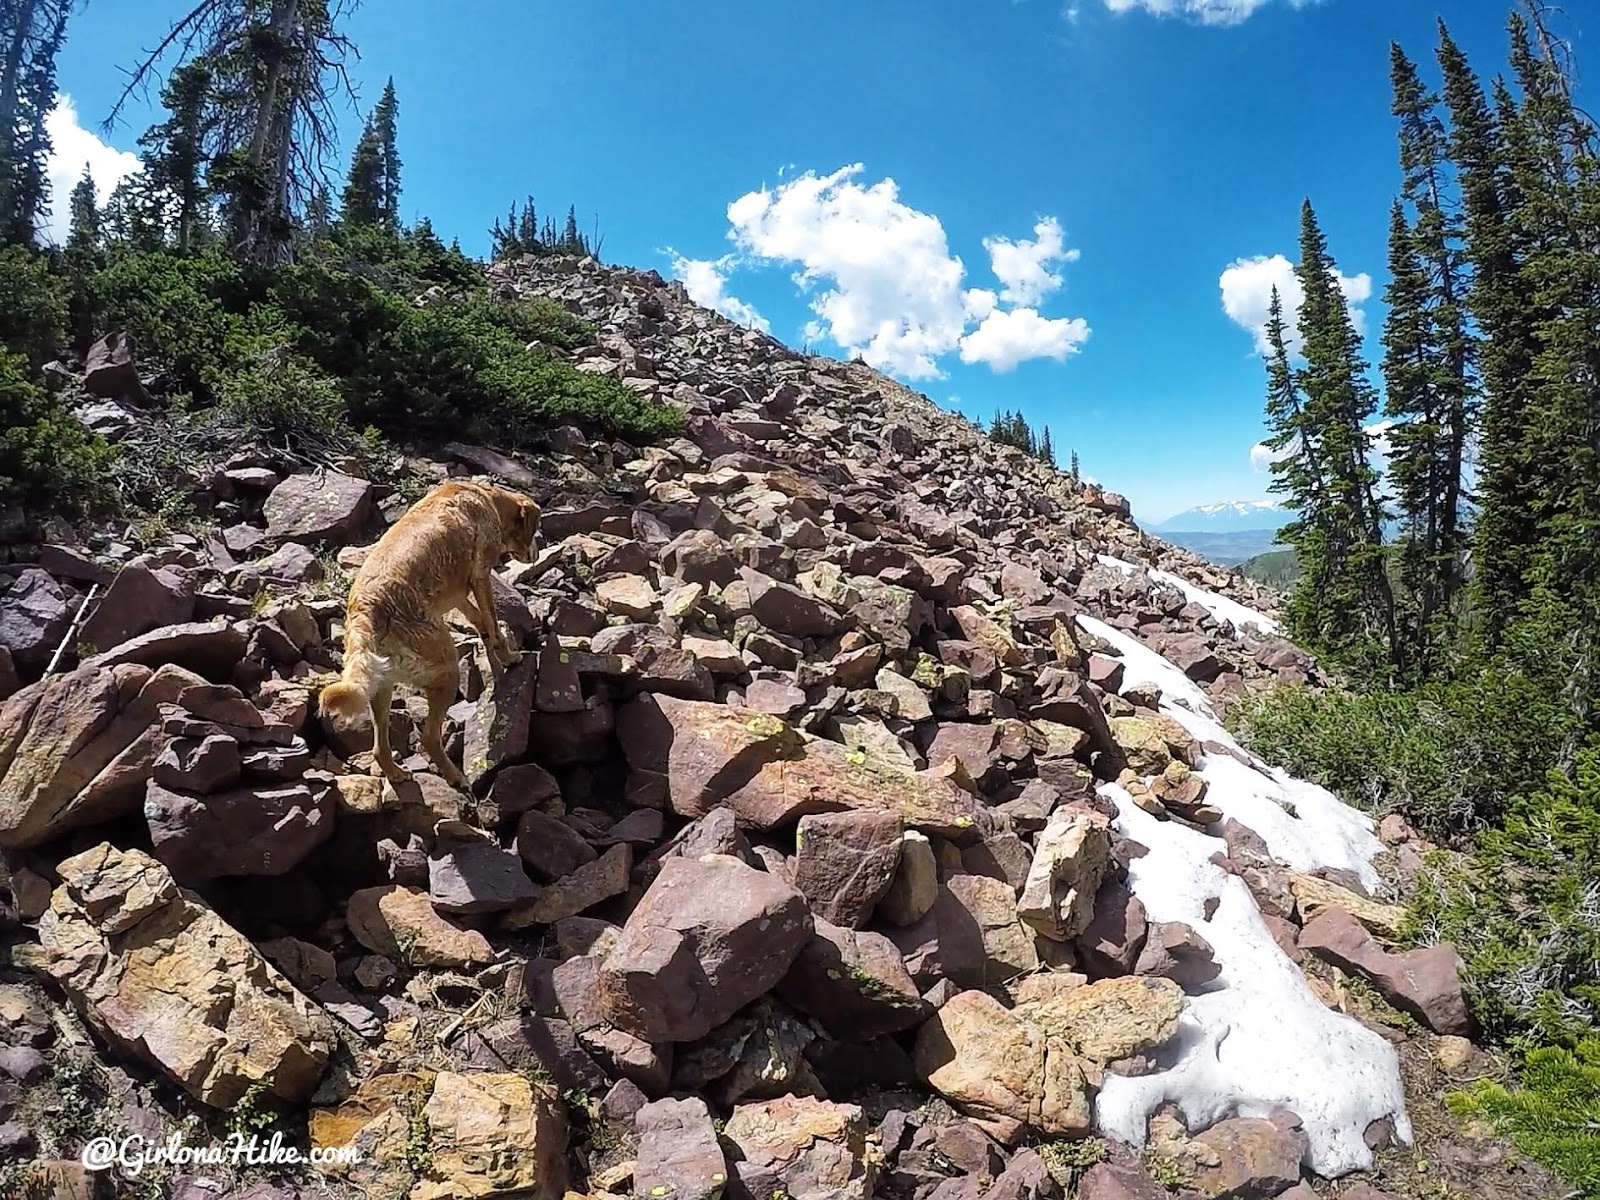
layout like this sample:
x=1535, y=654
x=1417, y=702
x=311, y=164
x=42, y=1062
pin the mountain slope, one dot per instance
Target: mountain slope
x=841, y=731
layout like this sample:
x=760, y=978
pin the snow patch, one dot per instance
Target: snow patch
x=1258, y=1041
x=1304, y=825
x=1229, y=612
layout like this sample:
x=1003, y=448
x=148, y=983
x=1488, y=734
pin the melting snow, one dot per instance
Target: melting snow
x=1229, y=612
x=1258, y=1041
x=1322, y=832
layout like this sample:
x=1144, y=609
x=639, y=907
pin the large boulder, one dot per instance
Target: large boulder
x=253, y=830
x=78, y=749
x=208, y=648
x=109, y=370
x=1002, y=1070
x=400, y=923
x=705, y=755
x=845, y=862
x=1111, y=1019
x=1250, y=1158
x=319, y=506
x=854, y=984
x=710, y=935
x=1425, y=983
x=139, y=599
x=784, y=608
x=35, y=612
x=679, y=1157
x=488, y=1133
x=161, y=976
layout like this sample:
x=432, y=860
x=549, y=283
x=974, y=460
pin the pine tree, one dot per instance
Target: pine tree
x=1429, y=366
x=174, y=157
x=1317, y=417
x=1047, y=449
x=1077, y=475
x=571, y=239
x=31, y=32
x=362, y=203
x=83, y=237
x=383, y=130
x=1497, y=298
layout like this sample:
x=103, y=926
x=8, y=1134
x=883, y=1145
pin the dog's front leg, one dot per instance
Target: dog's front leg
x=382, y=754
x=500, y=653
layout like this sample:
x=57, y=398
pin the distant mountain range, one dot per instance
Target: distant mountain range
x=1228, y=532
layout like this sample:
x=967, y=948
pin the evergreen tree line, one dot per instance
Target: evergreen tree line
x=1012, y=429
x=522, y=234
x=1491, y=397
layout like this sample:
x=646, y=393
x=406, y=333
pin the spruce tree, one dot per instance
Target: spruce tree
x=82, y=258
x=528, y=228
x=1431, y=355
x=1498, y=301
x=383, y=131
x=1549, y=148
x=362, y=203
x=1298, y=475
x=1344, y=606
x=1047, y=449
x=174, y=158
x=571, y=239
x=31, y=32
x=1073, y=470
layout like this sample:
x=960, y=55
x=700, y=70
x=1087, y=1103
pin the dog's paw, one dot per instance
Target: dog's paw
x=395, y=775
x=513, y=657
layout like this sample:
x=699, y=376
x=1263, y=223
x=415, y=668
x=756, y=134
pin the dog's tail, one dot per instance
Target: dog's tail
x=347, y=699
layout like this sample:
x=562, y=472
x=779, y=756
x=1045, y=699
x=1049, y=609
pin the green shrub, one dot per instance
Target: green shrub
x=1524, y=912
x=45, y=453
x=1448, y=754
x=186, y=315
x=33, y=306
x=1554, y=1115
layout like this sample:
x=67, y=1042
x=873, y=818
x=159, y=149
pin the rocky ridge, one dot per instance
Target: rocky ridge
x=795, y=860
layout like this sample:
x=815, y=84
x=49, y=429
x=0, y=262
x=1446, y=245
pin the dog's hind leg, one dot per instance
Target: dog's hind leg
x=382, y=754
x=439, y=685
x=440, y=697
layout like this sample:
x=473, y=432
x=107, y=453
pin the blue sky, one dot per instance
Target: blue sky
x=1051, y=197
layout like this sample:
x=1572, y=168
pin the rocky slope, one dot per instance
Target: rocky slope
x=858, y=823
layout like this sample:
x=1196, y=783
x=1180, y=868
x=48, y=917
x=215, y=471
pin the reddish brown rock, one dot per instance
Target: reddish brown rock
x=845, y=862
x=1425, y=983
x=709, y=936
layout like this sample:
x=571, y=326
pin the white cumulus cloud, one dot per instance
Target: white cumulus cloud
x=706, y=281
x=73, y=148
x=1206, y=12
x=1023, y=267
x=883, y=283
x=1247, y=297
x=1008, y=337
x=1262, y=456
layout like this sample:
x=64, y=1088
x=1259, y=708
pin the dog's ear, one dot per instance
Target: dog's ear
x=528, y=514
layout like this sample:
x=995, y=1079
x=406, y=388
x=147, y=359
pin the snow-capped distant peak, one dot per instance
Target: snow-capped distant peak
x=1229, y=516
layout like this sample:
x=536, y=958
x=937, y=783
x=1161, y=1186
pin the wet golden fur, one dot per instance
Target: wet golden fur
x=434, y=559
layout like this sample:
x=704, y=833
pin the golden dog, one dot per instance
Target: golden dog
x=434, y=559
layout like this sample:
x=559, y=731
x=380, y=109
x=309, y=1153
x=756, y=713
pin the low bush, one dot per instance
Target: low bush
x=46, y=455
x=1446, y=754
